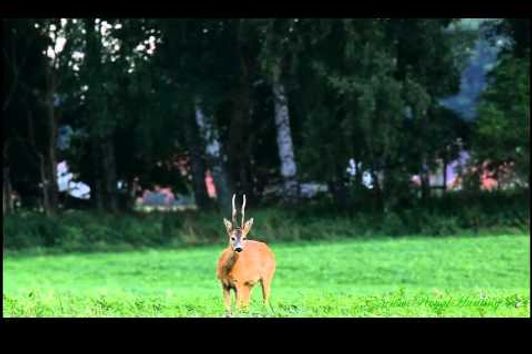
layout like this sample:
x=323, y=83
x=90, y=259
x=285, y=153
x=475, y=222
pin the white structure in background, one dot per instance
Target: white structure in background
x=311, y=189
x=352, y=169
x=65, y=183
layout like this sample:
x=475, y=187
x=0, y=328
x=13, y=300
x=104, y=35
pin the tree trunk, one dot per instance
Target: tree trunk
x=51, y=160
x=6, y=189
x=41, y=163
x=425, y=182
x=378, y=195
x=284, y=138
x=339, y=193
x=4, y=192
x=197, y=165
x=44, y=185
x=213, y=149
x=358, y=174
x=6, y=183
x=239, y=146
x=444, y=175
x=240, y=134
x=95, y=104
x=425, y=187
x=109, y=174
x=97, y=188
x=132, y=193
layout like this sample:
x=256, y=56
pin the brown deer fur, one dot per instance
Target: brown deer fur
x=244, y=263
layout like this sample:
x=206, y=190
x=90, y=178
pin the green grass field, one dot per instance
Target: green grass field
x=383, y=277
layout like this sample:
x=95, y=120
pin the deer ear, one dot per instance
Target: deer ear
x=247, y=226
x=228, y=225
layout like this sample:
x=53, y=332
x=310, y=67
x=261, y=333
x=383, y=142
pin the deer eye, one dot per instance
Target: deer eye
x=232, y=238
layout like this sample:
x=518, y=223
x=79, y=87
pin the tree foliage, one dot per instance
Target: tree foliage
x=362, y=89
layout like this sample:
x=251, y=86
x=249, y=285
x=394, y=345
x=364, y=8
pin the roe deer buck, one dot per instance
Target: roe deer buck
x=244, y=263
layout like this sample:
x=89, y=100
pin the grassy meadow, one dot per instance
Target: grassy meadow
x=467, y=276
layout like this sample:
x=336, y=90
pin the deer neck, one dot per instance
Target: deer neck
x=230, y=263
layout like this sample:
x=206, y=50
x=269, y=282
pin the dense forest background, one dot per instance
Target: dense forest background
x=364, y=125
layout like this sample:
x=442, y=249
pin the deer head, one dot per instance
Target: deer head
x=237, y=234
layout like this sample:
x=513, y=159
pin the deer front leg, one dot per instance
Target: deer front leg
x=243, y=293
x=227, y=299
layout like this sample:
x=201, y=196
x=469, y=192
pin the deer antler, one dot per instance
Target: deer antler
x=234, y=210
x=243, y=211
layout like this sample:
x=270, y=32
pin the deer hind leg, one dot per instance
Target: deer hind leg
x=266, y=283
x=266, y=289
